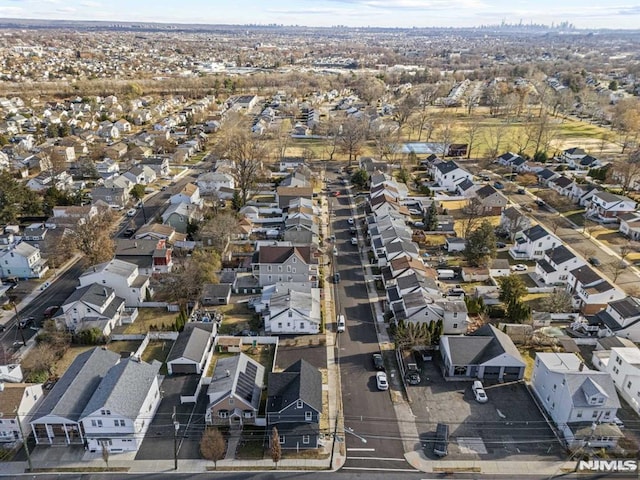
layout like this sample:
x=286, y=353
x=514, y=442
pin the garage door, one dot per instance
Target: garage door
x=491, y=372
x=184, y=368
x=511, y=373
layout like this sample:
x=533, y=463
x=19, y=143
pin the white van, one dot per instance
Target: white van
x=342, y=326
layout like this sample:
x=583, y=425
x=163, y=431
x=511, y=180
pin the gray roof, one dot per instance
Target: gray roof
x=124, y=388
x=610, y=197
x=560, y=254
x=240, y=376
x=483, y=345
x=301, y=381
x=190, y=344
x=535, y=233
x=447, y=167
x=627, y=307
x=587, y=383
x=586, y=275
x=546, y=266
x=70, y=395
x=96, y=295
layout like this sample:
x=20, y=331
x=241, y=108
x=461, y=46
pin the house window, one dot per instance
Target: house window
x=308, y=416
x=118, y=423
x=301, y=325
x=455, y=325
x=299, y=404
x=305, y=439
x=281, y=439
x=279, y=324
x=279, y=268
x=290, y=314
x=223, y=413
x=578, y=413
x=554, y=387
x=248, y=414
x=294, y=260
x=594, y=414
x=268, y=268
x=615, y=370
x=455, y=314
x=629, y=385
x=230, y=400
x=288, y=268
x=105, y=412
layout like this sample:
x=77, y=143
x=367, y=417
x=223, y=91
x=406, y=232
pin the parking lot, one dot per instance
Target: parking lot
x=508, y=425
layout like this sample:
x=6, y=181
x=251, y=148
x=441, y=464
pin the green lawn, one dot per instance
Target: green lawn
x=158, y=350
x=158, y=318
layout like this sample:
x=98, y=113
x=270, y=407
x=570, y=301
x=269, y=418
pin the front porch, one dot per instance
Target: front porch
x=58, y=433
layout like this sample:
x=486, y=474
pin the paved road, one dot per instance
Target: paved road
x=55, y=294
x=367, y=411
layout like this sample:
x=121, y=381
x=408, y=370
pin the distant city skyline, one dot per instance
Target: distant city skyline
x=323, y=13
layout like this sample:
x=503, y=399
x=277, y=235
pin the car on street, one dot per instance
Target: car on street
x=540, y=202
x=354, y=241
x=51, y=311
x=419, y=224
x=335, y=251
x=478, y=392
x=378, y=361
x=381, y=381
x=595, y=261
x=350, y=220
x=414, y=211
x=521, y=191
x=3, y=327
x=498, y=185
x=342, y=325
x=336, y=278
x=485, y=178
x=336, y=194
x=519, y=267
x=25, y=322
x=128, y=233
x=441, y=443
x=131, y=212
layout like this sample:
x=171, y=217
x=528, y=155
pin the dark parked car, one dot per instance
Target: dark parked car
x=51, y=311
x=128, y=233
x=595, y=262
x=498, y=185
x=413, y=378
x=378, y=362
x=25, y=322
x=500, y=244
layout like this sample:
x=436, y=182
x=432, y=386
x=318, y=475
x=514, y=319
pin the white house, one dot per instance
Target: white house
x=620, y=318
x=530, y=244
x=23, y=261
x=211, y=182
x=293, y=312
x=17, y=402
x=93, y=306
x=554, y=268
x=448, y=175
x=119, y=412
x=189, y=194
x=606, y=207
x=123, y=277
x=581, y=402
x=591, y=293
x=630, y=225
x=623, y=364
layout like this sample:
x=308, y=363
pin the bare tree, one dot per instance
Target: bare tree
x=213, y=446
x=556, y=222
x=283, y=137
x=105, y=452
x=494, y=136
x=626, y=121
x=405, y=108
x=217, y=230
x=615, y=268
x=627, y=172
x=473, y=215
x=276, y=449
x=387, y=142
x=185, y=281
x=93, y=238
x=351, y=138
x=559, y=301
x=471, y=132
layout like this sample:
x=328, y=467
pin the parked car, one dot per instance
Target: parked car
x=595, y=262
x=412, y=378
x=378, y=361
x=485, y=178
x=354, y=241
x=381, y=381
x=500, y=245
x=128, y=233
x=441, y=444
x=131, y=212
x=540, y=202
x=51, y=311
x=350, y=220
x=353, y=229
x=478, y=392
x=521, y=191
x=342, y=325
x=419, y=224
x=519, y=267
x=498, y=185
x=335, y=251
x=336, y=278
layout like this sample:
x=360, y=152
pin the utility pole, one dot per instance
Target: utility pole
x=24, y=440
x=12, y=298
x=176, y=427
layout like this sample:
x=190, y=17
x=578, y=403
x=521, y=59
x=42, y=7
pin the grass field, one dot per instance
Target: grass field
x=159, y=318
x=70, y=355
x=158, y=350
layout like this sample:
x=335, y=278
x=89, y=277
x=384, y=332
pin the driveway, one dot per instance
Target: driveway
x=158, y=442
x=508, y=425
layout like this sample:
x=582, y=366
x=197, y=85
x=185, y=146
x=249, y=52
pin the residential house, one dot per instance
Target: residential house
x=585, y=163
x=507, y=159
x=487, y=353
x=150, y=256
x=140, y=175
x=107, y=168
x=512, y=221
x=581, y=402
x=93, y=306
x=116, y=151
x=591, y=293
x=123, y=126
x=36, y=232
x=448, y=175
x=556, y=264
x=179, y=215
x=11, y=372
x=623, y=364
x=455, y=244
x=119, y=412
x=190, y=194
x=160, y=165
x=605, y=207
x=499, y=267
x=234, y=392
x=620, y=317
x=210, y=183
x=371, y=165
x=159, y=231
x=581, y=193
x=563, y=185
x=17, y=403
x=630, y=225
x=123, y=277
x=572, y=155
x=492, y=202
x=62, y=155
x=191, y=349
x=22, y=260
x=545, y=175
x=294, y=405
x=56, y=421
x=293, y=312
x=284, y=195
x=272, y=264
x=530, y=244
x=116, y=197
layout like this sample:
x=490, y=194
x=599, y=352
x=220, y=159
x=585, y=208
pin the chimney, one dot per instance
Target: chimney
x=104, y=290
x=228, y=373
x=581, y=367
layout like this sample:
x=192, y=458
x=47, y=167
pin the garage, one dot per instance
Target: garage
x=491, y=373
x=177, y=367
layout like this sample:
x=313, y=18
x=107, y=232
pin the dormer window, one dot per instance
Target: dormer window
x=299, y=404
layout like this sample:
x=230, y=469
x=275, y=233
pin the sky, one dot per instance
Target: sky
x=356, y=13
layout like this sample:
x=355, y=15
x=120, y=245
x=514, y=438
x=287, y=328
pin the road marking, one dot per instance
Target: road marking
x=378, y=458
x=361, y=449
x=382, y=469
